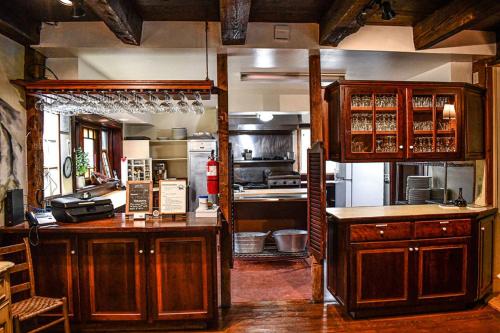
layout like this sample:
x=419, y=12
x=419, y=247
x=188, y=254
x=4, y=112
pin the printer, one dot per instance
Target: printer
x=71, y=209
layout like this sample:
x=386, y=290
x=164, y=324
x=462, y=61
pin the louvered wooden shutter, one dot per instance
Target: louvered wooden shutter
x=316, y=200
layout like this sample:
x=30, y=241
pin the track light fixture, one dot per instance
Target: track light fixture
x=387, y=12
x=78, y=9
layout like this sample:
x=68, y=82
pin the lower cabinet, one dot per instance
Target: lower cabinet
x=114, y=280
x=442, y=271
x=411, y=273
x=390, y=267
x=381, y=275
x=486, y=234
x=179, y=275
x=55, y=263
x=132, y=278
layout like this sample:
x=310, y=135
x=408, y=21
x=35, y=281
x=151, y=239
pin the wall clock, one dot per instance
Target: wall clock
x=67, y=167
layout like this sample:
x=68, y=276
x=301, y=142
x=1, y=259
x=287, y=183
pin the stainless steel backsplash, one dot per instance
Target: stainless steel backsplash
x=262, y=145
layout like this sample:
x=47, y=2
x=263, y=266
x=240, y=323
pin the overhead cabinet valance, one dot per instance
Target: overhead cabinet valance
x=396, y=121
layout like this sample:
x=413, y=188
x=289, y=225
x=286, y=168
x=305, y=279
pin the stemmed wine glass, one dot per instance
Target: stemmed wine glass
x=167, y=105
x=183, y=104
x=198, y=107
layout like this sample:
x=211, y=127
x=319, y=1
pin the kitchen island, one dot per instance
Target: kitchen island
x=123, y=274
x=406, y=259
x=270, y=209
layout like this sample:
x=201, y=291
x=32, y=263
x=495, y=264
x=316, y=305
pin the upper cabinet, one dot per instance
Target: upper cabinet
x=395, y=121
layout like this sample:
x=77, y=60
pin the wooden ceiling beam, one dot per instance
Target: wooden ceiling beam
x=450, y=19
x=342, y=19
x=15, y=24
x=234, y=15
x=121, y=17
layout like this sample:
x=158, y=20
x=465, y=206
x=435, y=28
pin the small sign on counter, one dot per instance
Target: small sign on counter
x=173, y=196
x=139, y=198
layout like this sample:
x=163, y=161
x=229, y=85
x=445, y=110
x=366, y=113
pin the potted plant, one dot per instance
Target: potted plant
x=82, y=165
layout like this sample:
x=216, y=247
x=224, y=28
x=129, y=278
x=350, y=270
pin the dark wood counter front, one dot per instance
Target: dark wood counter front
x=121, y=274
x=404, y=259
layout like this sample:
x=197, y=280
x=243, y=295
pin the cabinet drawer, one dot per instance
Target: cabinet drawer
x=380, y=231
x=443, y=228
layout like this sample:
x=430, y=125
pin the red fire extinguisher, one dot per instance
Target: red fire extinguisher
x=212, y=175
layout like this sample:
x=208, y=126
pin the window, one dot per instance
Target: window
x=51, y=155
x=89, y=147
x=305, y=144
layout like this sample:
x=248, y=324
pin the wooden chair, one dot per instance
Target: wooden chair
x=32, y=306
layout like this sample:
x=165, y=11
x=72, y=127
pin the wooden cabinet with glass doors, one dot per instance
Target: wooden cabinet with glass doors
x=373, y=121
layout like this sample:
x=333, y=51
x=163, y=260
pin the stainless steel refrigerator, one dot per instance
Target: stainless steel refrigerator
x=198, y=153
x=363, y=185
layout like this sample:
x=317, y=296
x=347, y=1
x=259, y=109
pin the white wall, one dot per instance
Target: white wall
x=12, y=67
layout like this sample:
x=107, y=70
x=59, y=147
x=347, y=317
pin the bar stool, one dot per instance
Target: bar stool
x=32, y=306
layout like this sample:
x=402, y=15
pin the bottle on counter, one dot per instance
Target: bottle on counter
x=460, y=201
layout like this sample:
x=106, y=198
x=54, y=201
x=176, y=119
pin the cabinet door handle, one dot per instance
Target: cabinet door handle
x=381, y=232
x=410, y=249
x=443, y=228
x=141, y=251
x=151, y=251
x=72, y=252
x=380, y=225
x=416, y=249
x=411, y=147
x=401, y=147
x=483, y=228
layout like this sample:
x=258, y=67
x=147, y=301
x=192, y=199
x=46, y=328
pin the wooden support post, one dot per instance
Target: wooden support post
x=224, y=185
x=316, y=111
x=34, y=63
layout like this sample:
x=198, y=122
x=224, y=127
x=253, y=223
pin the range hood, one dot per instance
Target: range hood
x=280, y=122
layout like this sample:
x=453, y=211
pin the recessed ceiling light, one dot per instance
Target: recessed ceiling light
x=66, y=2
x=265, y=116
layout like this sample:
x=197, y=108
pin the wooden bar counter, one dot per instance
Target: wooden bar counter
x=121, y=274
x=407, y=259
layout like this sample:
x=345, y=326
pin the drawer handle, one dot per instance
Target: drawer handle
x=381, y=232
x=411, y=249
x=380, y=225
x=443, y=228
x=444, y=222
x=483, y=228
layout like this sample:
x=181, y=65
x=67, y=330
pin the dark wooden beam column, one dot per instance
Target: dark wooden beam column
x=450, y=19
x=234, y=16
x=34, y=128
x=342, y=19
x=15, y=24
x=224, y=179
x=121, y=17
x=316, y=114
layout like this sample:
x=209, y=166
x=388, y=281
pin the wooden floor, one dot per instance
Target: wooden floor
x=303, y=317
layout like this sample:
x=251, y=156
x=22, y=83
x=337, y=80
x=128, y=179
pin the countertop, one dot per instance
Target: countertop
x=119, y=223
x=272, y=194
x=407, y=212
x=5, y=265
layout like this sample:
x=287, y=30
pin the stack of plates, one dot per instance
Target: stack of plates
x=419, y=196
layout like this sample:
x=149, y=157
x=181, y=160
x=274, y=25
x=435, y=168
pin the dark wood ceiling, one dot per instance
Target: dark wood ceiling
x=432, y=20
x=288, y=11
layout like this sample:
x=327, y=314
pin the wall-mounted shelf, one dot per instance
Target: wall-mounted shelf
x=166, y=141
x=171, y=159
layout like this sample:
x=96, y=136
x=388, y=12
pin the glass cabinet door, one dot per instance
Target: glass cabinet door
x=432, y=125
x=374, y=124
